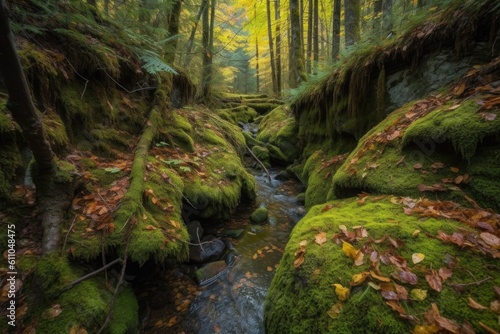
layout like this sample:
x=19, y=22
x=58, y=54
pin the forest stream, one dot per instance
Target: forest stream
x=234, y=303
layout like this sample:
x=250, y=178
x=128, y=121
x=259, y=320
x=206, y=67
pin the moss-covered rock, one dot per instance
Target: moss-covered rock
x=259, y=216
x=239, y=114
x=302, y=299
x=279, y=129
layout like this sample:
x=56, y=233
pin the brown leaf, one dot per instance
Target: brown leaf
x=395, y=306
x=417, y=166
x=407, y=277
x=445, y=273
x=459, y=89
x=454, y=169
x=402, y=292
x=490, y=239
x=298, y=261
x=389, y=295
x=320, y=238
x=434, y=281
x=475, y=305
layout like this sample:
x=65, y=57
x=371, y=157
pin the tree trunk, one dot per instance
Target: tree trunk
x=207, y=54
x=54, y=192
x=337, y=7
x=173, y=30
x=204, y=3
x=271, y=47
x=256, y=52
x=278, y=46
x=309, y=37
x=315, y=36
x=297, y=68
x=352, y=19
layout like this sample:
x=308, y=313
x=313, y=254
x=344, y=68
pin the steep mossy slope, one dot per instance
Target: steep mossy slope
x=139, y=162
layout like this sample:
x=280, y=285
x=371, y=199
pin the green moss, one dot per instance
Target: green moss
x=56, y=131
x=125, y=315
x=239, y=114
x=259, y=216
x=261, y=153
x=299, y=299
x=462, y=126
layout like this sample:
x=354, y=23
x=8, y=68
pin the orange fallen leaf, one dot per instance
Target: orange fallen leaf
x=150, y=228
x=320, y=238
x=475, y=305
x=379, y=278
x=360, y=278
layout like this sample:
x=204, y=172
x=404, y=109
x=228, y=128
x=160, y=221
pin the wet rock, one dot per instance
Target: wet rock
x=259, y=216
x=231, y=232
x=210, y=272
x=255, y=228
x=230, y=257
x=195, y=231
x=301, y=211
x=211, y=249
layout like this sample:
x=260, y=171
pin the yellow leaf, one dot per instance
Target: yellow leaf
x=320, y=238
x=349, y=250
x=426, y=329
x=417, y=258
x=150, y=228
x=418, y=294
x=341, y=291
x=358, y=279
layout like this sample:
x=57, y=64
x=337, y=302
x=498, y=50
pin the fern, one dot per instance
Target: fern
x=153, y=64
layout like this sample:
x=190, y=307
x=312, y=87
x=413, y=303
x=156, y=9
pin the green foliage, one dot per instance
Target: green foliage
x=153, y=64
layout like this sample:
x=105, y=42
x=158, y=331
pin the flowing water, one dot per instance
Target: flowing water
x=234, y=303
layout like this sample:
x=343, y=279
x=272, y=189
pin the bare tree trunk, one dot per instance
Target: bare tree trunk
x=256, y=52
x=297, y=68
x=387, y=17
x=309, y=37
x=377, y=13
x=271, y=47
x=207, y=53
x=193, y=33
x=352, y=19
x=337, y=7
x=54, y=195
x=278, y=46
x=315, y=36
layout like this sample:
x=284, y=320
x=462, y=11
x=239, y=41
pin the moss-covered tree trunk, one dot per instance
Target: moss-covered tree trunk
x=271, y=46
x=53, y=190
x=336, y=29
x=173, y=30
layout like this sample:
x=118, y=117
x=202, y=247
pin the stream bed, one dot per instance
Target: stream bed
x=172, y=302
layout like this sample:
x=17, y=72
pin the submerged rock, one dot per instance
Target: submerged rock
x=259, y=216
x=210, y=272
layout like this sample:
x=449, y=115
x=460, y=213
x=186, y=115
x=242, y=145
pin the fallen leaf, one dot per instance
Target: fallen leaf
x=380, y=278
x=475, y=305
x=299, y=260
x=269, y=268
x=488, y=116
x=341, y=291
x=335, y=310
x=426, y=329
x=360, y=278
x=454, y=169
x=395, y=306
x=320, y=238
x=418, y=294
x=150, y=228
x=417, y=166
x=445, y=273
x=407, y=277
x=434, y=281
x=401, y=291
x=53, y=312
x=490, y=239
x=349, y=250
x=454, y=107
x=389, y=295
x=417, y=258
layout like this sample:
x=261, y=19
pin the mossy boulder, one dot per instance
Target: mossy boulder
x=302, y=298
x=259, y=216
x=236, y=115
x=279, y=129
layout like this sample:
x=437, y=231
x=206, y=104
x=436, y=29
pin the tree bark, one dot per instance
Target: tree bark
x=278, y=45
x=387, y=16
x=377, y=13
x=352, y=19
x=337, y=7
x=207, y=53
x=271, y=47
x=297, y=68
x=315, y=36
x=256, y=53
x=54, y=188
x=309, y=37
x=173, y=30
